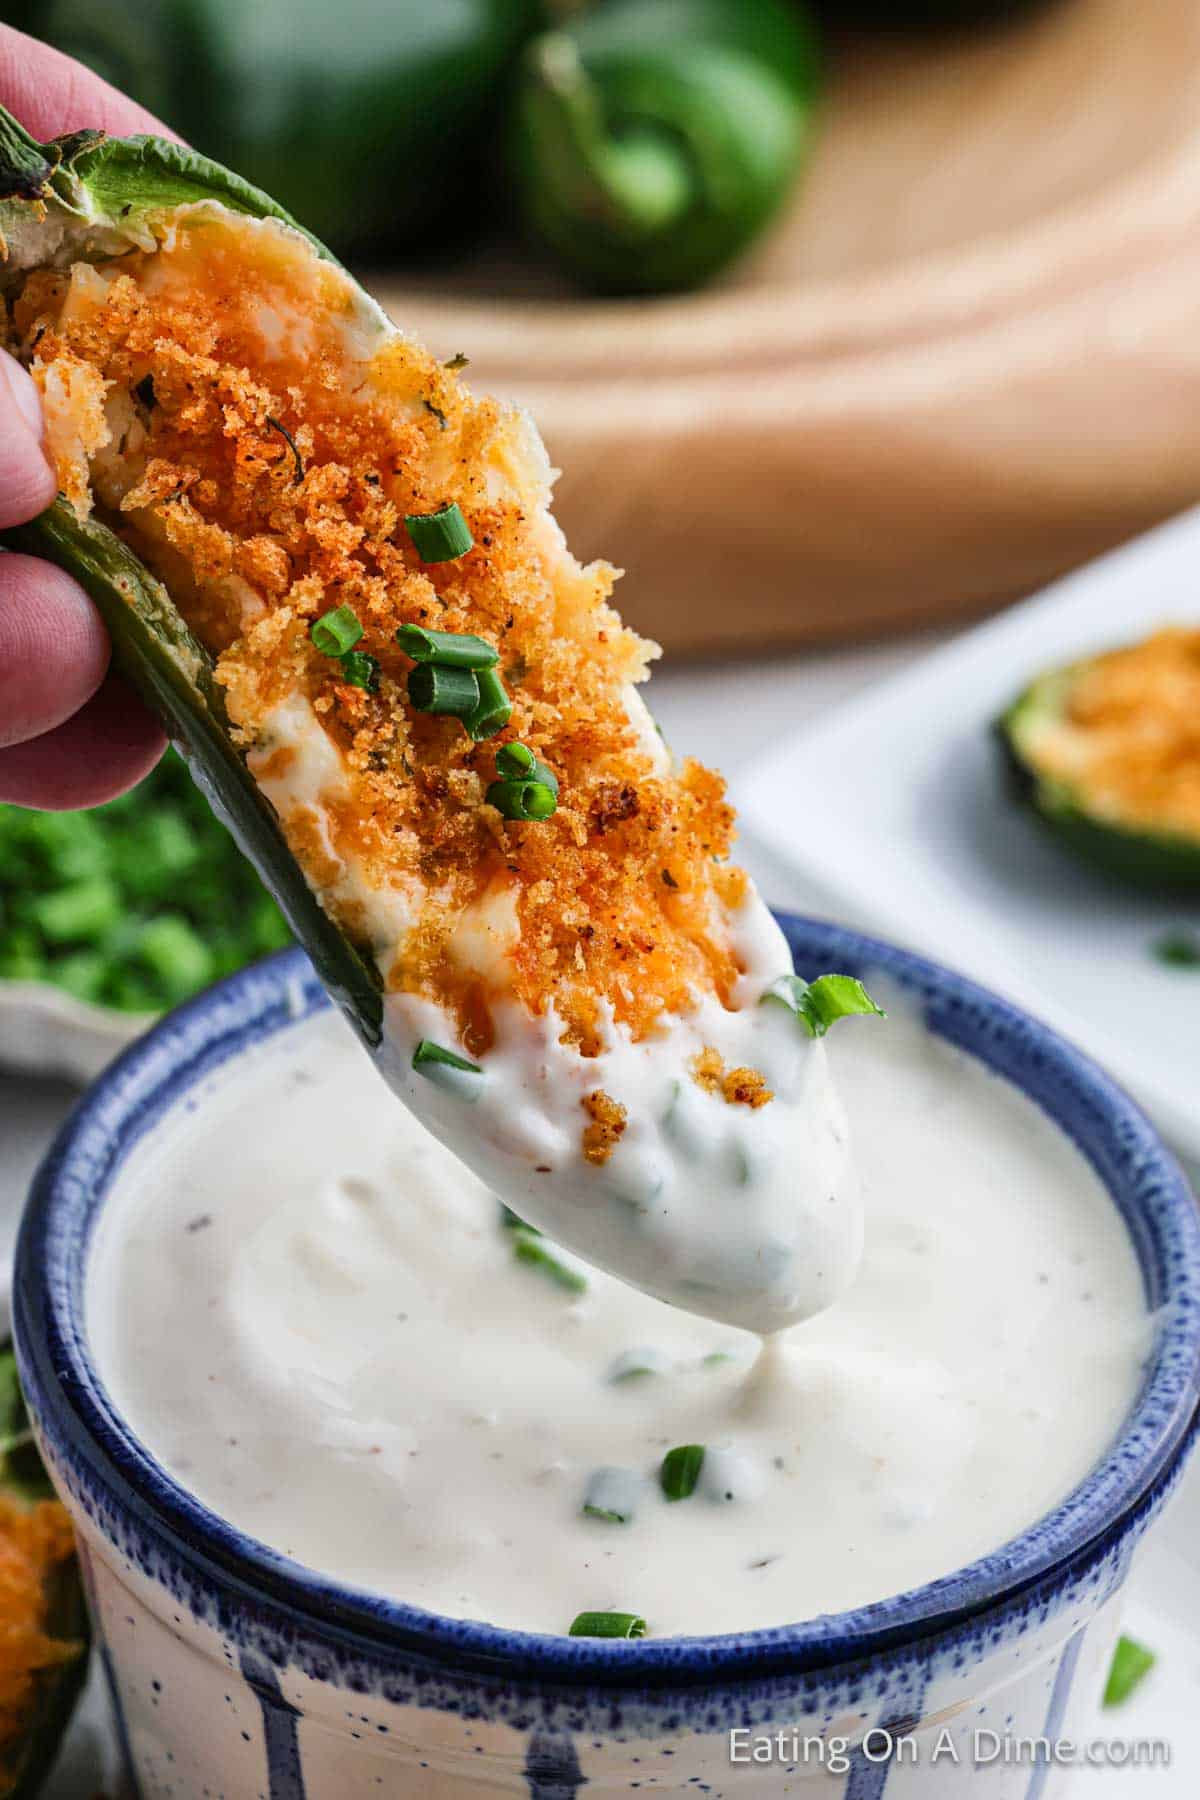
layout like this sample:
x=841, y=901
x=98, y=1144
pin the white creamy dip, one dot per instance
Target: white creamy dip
x=316, y=1320
x=748, y=1216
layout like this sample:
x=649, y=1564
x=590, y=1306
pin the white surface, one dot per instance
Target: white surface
x=1161, y=1611
x=893, y=808
x=734, y=714
x=46, y=1031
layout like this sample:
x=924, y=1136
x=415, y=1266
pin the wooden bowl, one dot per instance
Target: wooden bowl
x=968, y=358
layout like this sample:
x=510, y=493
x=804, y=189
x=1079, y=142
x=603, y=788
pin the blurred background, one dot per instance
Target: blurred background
x=845, y=321
x=836, y=319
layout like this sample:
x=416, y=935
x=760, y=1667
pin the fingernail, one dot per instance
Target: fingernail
x=25, y=395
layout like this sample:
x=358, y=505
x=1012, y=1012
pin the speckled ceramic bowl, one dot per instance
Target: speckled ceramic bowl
x=237, y=1673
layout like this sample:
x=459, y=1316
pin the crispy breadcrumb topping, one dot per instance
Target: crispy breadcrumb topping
x=608, y=1120
x=737, y=1087
x=259, y=450
x=34, y=1540
x=1130, y=737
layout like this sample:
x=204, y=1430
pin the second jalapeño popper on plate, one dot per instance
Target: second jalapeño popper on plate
x=334, y=573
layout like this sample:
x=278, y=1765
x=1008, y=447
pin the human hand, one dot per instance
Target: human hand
x=71, y=733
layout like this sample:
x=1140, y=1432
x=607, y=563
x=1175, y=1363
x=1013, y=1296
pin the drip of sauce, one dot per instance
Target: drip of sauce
x=749, y=1216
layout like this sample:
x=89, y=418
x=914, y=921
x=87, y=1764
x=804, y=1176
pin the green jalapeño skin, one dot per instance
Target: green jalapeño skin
x=89, y=196
x=1133, y=852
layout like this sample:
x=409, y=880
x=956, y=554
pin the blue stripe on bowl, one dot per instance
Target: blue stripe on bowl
x=1060, y=1695
x=281, y=1728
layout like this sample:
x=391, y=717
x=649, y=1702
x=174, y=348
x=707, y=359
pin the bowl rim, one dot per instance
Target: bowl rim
x=67, y=1395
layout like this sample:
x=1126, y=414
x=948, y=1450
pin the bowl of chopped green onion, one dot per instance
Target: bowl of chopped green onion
x=110, y=917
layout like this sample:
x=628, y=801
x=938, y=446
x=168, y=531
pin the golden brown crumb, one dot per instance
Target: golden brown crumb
x=255, y=541
x=746, y=1087
x=708, y=1068
x=737, y=1087
x=33, y=1541
x=1131, y=735
x=608, y=1120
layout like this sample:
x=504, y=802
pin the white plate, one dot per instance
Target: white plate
x=46, y=1031
x=894, y=809
x=1161, y=1611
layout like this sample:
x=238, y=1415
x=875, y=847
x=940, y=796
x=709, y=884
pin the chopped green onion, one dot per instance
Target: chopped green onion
x=176, y=954
x=20, y=1464
x=458, y=361
x=360, y=669
x=681, y=1471
x=612, y=1495
x=427, y=1053
x=86, y=909
x=14, y=1423
x=1177, y=949
x=522, y=799
x=21, y=958
x=819, y=1004
x=83, y=974
x=512, y=1222
x=494, y=709
x=516, y=762
x=433, y=688
x=607, y=1625
x=716, y=1359
x=454, y=649
x=529, y=1247
x=635, y=1365
x=156, y=853
x=439, y=536
x=462, y=1080
x=336, y=632
x=1131, y=1663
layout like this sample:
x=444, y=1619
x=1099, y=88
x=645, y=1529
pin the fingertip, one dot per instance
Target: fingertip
x=27, y=484
x=54, y=650
x=51, y=93
x=25, y=396
x=106, y=748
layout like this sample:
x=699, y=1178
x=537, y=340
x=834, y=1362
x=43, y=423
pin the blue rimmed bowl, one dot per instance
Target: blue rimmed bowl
x=238, y=1673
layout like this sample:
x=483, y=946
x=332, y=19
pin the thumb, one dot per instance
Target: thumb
x=27, y=484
